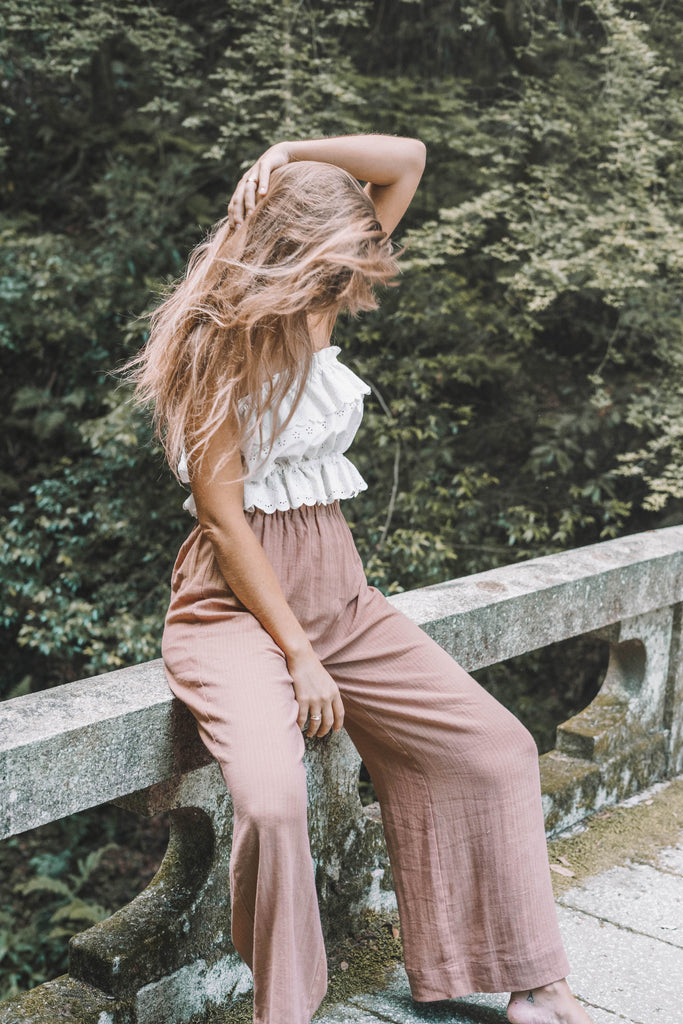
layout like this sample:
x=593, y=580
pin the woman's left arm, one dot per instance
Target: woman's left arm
x=392, y=168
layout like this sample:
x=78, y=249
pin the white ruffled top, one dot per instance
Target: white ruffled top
x=306, y=465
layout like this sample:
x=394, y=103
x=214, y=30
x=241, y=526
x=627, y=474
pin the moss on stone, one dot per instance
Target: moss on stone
x=576, y=786
x=361, y=963
x=358, y=964
x=63, y=998
x=614, y=836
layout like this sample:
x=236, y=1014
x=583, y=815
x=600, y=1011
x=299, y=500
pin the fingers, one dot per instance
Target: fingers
x=338, y=713
x=302, y=717
x=250, y=195
x=264, y=178
x=255, y=182
x=243, y=201
x=327, y=719
x=320, y=720
x=316, y=693
x=317, y=720
x=236, y=206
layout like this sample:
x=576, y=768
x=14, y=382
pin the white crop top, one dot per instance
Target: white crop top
x=306, y=465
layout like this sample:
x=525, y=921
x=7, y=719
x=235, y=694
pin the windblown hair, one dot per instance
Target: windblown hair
x=235, y=326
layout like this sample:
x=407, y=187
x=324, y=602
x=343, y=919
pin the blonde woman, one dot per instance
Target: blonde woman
x=273, y=632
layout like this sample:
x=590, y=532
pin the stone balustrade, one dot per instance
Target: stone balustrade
x=122, y=737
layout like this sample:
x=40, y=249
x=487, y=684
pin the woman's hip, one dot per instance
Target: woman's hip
x=311, y=551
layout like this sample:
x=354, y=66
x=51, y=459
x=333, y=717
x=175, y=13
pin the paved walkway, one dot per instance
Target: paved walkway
x=623, y=930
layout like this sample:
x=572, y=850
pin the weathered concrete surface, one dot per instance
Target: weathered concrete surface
x=63, y=999
x=495, y=615
x=94, y=740
x=635, y=976
x=573, y=788
x=168, y=954
x=622, y=742
x=622, y=929
x=83, y=743
x=180, y=917
x=633, y=694
x=673, y=711
x=394, y=1004
x=637, y=897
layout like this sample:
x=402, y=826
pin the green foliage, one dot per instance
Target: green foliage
x=526, y=371
x=55, y=906
x=548, y=285
x=62, y=878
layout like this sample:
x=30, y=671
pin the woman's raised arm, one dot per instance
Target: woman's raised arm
x=391, y=166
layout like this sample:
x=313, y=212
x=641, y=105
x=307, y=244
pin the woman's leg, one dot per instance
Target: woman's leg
x=233, y=678
x=458, y=781
x=457, y=775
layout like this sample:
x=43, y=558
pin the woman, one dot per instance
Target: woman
x=273, y=632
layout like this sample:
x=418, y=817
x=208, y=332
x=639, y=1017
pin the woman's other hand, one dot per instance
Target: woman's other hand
x=254, y=183
x=316, y=693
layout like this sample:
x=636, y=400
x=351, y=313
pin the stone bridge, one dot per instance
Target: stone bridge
x=121, y=737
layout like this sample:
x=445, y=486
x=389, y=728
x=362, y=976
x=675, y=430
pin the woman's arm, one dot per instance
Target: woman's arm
x=392, y=168
x=218, y=493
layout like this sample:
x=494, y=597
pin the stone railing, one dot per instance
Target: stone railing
x=121, y=737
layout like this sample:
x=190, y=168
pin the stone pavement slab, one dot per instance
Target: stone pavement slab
x=623, y=971
x=395, y=1005
x=605, y=1017
x=623, y=931
x=671, y=860
x=622, y=928
x=638, y=897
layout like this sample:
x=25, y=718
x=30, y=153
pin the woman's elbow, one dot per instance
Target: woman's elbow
x=221, y=526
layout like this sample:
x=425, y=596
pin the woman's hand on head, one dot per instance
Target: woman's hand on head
x=392, y=168
x=253, y=184
x=317, y=694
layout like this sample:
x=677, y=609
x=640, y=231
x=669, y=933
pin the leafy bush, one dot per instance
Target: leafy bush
x=526, y=373
x=61, y=878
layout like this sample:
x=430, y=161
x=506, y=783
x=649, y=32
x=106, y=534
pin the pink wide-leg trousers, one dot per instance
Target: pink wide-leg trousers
x=456, y=775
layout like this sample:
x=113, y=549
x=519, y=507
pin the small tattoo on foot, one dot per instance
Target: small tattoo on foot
x=530, y=997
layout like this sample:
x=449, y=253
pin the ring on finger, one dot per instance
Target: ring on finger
x=316, y=718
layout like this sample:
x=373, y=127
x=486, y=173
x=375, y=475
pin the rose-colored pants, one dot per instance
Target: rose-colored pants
x=456, y=775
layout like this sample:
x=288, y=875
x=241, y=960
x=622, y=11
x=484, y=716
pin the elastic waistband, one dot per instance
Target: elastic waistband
x=302, y=512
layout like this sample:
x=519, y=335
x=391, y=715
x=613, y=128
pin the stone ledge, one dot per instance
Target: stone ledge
x=84, y=743
x=495, y=615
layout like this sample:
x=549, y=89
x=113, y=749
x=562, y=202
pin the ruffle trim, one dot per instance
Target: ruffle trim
x=290, y=485
x=308, y=438
x=337, y=389
x=317, y=481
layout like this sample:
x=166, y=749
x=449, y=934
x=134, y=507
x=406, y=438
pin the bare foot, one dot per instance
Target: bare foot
x=551, y=1004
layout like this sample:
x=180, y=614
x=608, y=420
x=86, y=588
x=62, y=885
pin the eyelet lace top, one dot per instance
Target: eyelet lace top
x=306, y=465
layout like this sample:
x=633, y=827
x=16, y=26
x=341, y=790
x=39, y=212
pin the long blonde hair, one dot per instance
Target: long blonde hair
x=235, y=326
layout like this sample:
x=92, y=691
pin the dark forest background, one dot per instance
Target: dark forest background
x=526, y=372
